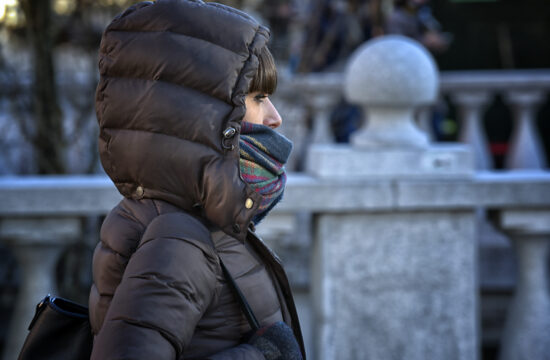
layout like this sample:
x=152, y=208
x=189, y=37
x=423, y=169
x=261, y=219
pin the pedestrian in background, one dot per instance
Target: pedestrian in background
x=414, y=19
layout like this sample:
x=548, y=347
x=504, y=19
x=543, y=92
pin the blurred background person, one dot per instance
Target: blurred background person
x=414, y=19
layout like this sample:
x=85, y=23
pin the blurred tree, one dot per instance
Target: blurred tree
x=48, y=76
x=51, y=102
x=47, y=134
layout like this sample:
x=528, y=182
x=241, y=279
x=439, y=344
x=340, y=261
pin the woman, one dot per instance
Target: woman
x=187, y=136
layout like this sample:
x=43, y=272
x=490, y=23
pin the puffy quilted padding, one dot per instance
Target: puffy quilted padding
x=173, y=77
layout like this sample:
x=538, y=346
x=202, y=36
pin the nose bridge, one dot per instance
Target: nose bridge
x=272, y=116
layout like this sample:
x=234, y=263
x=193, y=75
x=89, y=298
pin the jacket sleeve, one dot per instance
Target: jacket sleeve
x=167, y=285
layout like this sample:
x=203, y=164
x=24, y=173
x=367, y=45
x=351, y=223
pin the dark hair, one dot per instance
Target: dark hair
x=265, y=80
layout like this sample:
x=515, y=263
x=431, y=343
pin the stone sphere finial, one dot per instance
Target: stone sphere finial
x=391, y=70
x=390, y=76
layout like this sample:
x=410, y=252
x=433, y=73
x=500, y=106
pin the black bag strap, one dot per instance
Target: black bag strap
x=245, y=307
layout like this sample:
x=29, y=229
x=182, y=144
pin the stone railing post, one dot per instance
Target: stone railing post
x=472, y=104
x=37, y=245
x=322, y=104
x=394, y=283
x=321, y=93
x=526, y=335
x=526, y=150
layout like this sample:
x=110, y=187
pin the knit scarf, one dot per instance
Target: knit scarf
x=263, y=154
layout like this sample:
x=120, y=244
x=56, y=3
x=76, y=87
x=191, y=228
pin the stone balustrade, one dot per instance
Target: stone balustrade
x=528, y=321
x=472, y=92
x=45, y=210
x=391, y=219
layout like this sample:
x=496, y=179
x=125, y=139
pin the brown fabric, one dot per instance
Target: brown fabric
x=173, y=77
x=159, y=291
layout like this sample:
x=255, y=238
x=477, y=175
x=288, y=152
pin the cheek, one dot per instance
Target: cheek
x=253, y=115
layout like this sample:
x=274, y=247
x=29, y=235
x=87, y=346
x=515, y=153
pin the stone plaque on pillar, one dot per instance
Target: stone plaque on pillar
x=398, y=283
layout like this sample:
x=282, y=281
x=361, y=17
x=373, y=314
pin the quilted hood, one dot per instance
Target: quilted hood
x=170, y=101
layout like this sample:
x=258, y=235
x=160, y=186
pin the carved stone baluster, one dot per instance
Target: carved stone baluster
x=526, y=335
x=322, y=104
x=472, y=104
x=37, y=244
x=526, y=150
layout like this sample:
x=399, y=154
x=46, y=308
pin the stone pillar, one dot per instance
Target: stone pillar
x=472, y=104
x=526, y=150
x=37, y=244
x=398, y=282
x=526, y=335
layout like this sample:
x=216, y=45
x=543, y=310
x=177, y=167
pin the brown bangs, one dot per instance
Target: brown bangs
x=265, y=80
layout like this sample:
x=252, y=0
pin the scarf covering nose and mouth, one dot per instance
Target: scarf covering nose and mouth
x=263, y=154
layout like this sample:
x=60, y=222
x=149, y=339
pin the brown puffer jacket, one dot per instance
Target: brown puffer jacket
x=169, y=103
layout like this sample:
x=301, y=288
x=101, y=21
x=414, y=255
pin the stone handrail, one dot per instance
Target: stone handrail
x=495, y=80
x=59, y=196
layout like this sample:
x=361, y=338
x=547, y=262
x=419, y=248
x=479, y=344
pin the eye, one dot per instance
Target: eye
x=260, y=97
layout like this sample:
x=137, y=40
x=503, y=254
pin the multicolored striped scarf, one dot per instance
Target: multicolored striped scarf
x=263, y=154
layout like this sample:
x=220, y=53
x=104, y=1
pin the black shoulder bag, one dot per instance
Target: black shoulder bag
x=61, y=329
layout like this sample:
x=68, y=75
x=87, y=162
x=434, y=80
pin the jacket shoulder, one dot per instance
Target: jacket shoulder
x=128, y=227
x=182, y=226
